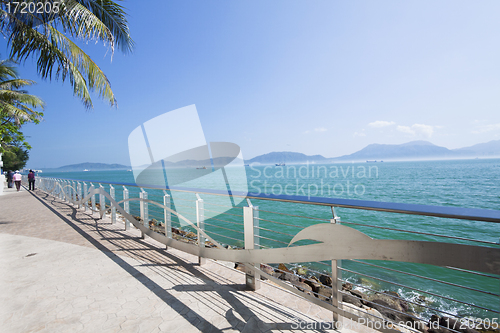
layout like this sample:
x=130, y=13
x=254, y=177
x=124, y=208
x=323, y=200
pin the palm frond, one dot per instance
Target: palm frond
x=61, y=57
x=43, y=36
x=16, y=83
x=23, y=97
x=113, y=16
x=7, y=69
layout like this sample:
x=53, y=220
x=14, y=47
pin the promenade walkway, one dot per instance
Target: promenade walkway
x=64, y=270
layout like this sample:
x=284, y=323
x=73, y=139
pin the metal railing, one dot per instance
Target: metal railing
x=336, y=256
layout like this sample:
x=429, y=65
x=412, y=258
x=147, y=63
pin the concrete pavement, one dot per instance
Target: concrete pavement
x=64, y=270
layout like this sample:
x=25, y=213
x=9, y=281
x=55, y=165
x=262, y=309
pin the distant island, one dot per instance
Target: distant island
x=92, y=167
x=414, y=150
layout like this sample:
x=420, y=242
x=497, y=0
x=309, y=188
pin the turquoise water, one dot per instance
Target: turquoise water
x=464, y=183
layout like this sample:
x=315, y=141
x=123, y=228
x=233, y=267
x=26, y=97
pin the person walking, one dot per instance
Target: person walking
x=17, y=179
x=31, y=180
x=10, y=174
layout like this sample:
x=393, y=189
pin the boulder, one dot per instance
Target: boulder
x=402, y=302
x=290, y=277
x=326, y=280
x=386, y=306
x=314, y=283
x=267, y=269
x=304, y=287
x=367, y=282
x=347, y=286
x=287, y=275
x=348, y=298
x=240, y=267
x=283, y=268
x=359, y=294
x=302, y=270
x=324, y=293
x=370, y=314
x=191, y=235
x=421, y=326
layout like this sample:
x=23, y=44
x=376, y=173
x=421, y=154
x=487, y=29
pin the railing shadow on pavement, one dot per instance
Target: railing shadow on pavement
x=168, y=266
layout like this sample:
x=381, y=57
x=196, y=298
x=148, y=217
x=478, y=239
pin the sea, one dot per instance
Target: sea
x=471, y=183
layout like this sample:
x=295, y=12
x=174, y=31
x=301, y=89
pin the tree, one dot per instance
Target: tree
x=46, y=36
x=17, y=107
x=15, y=158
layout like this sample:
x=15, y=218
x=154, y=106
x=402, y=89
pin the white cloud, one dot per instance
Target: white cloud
x=418, y=129
x=487, y=128
x=405, y=129
x=426, y=130
x=381, y=123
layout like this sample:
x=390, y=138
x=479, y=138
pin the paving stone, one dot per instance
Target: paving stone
x=89, y=275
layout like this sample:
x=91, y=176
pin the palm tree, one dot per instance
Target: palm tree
x=48, y=37
x=17, y=107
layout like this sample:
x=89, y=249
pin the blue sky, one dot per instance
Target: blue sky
x=316, y=77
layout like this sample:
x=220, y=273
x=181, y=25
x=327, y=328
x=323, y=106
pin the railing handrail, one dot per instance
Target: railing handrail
x=474, y=214
x=335, y=243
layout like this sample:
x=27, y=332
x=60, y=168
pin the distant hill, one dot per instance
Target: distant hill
x=410, y=150
x=487, y=149
x=286, y=157
x=92, y=167
x=413, y=150
x=375, y=152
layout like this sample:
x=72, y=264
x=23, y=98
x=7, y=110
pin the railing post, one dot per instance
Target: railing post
x=92, y=198
x=67, y=191
x=85, y=204
x=256, y=230
x=144, y=210
x=73, y=191
x=60, y=186
x=252, y=279
x=200, y=220
x=113, y=208
x=126, y=207
x=62, y=183
x=102, y=201
x=167, y=215
x=336, y=278
x=79, y=193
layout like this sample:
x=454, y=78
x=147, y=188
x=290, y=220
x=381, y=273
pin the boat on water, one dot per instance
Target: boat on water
x=280, y=164
x=86, y=170
x=204, y=168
